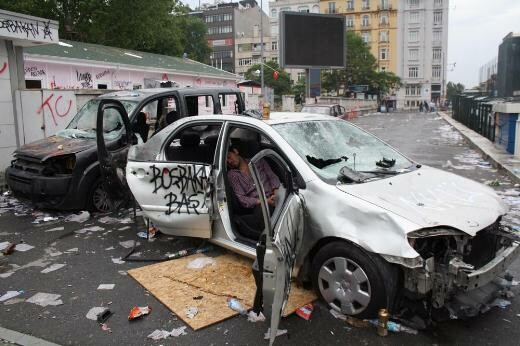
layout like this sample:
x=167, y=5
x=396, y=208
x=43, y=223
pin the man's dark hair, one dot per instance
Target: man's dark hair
x=233, y=147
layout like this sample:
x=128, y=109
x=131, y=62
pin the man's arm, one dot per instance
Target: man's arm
x=271, y=179
x=241, y=194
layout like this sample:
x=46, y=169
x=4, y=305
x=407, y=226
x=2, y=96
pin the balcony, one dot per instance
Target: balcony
x=365, y=26
x=384, y=24
x=331, y=11
x=384, y=7
x=350, y=9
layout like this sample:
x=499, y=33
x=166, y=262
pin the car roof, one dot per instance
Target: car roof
x=141, y=94
x=321, y=105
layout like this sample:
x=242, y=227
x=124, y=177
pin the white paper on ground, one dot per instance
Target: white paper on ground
x=117, y=260
x=4, y=245
x=55, y=229
x=93, y=312
x=53, y=267
x=9, y=295
x=278, y=333
x=23, y=247
x=44, y=299
x=81, y=217
x=201, y=262
x=127, y=244
x=106, y=287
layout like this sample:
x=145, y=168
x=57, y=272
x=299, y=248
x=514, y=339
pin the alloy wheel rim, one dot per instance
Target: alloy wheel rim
x=344, y=285
x=100, y=199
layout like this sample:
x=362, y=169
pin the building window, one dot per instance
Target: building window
x=226, y=29
x=383, y=54
x=384, y=5
x=413, y=54
x=303, y=9
x=366, y=37
x=285, y=9
x=245, y=62
x=245, y=47
x=437, y=3
x=383, y=36
x=413, y=3
x=350, y=5
x=437, y=17
x=365, y=4
x=274, y=46
x=301, y=76
x=413, y=71
x=365, y=21
x=332, y=7
x=209, y=19
x=349, y=22
x=413, y=35
x=213, y=30
x=436, y=71
x=414, y=17
x=275, y=59
x=437, y=35
x=384, y=20
x=227, y=17
x=221, y=54
x=274, y=12
x=437, y=54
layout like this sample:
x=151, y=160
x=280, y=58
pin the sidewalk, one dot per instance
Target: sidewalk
x=499, y=157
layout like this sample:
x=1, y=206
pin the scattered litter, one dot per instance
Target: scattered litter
x=128, y=244
x=178, y=331
x=338, y=315
x=163, y=334
x=506, y=320
x=44, y=299
x=122, y=272
x=14, y=301
x=93, y=313
x=104, y=315
x=124, y=228
x=9, y=249
x=49, y=218
x=201, y=262
x=6, y=274
x=305, y=311
x=89, y=229
x=55, y=254
x=191, y=311
x=278, y=333
x=356, y=322
x=81, y=217
x=235, y=305
x=74, y=249
x=53, y=267
x=117, y=260
x=23, y=247
x=253, y=317
x=10, y=294
x=106, y=287
x=112, y=220
x=394, y=327
x=106, y=328
x=138, y=311
x=501, y=303
x=110, y=248
x=55, y=229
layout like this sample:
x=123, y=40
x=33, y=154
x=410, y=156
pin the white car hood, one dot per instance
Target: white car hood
x=431, y=197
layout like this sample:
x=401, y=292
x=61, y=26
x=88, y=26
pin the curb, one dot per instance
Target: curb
x=22, y=339
x=500, y=158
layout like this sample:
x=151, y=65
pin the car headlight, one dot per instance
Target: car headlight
x=438, y=243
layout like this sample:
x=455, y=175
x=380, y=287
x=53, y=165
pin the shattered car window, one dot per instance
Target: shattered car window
x=316, y=110
x=327, y=146
x=84, y=123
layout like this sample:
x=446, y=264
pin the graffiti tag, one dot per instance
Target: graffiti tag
x=102, y=74
x=85, y=79
x=55, y=107
x=121, y=84
x=29, y=29
x=34, y=71
x=3, y=68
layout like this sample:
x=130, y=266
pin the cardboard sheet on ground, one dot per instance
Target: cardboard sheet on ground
x=175, y=286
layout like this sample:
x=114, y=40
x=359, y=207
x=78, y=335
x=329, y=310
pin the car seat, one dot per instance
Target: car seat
x=141, y=127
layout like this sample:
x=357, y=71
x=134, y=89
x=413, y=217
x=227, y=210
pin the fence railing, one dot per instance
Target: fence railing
x=475, y=112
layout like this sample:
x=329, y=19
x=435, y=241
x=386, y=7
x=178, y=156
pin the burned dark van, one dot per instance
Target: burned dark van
x=62, y=171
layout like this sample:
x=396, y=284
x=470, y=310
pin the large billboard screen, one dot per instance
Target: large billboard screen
x=309, y=40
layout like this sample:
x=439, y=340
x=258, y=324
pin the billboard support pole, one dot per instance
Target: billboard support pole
x=262, y=48
x=307, y=85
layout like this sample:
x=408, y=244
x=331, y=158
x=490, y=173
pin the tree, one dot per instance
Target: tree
x=281, y=86
x=453, y=89
x=160, y=26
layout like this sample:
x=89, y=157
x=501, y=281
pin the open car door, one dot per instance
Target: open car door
x=281, y=238
x=114, y=136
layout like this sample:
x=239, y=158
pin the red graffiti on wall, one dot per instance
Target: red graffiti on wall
x=54, y=109
x=4, y=67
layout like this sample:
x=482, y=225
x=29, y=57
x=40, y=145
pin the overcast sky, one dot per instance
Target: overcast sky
x=476, y=28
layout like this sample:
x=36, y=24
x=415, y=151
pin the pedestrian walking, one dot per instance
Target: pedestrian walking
x=426, y=107
x=420, y=106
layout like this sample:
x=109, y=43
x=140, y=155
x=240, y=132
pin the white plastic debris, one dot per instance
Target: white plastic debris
x=278, y=333
x=122, y=272
x=128, y=244
x=124, y=228
x=9, y=295
x=501, y=303
x=53, y=267
x=74, y=249
x=49, y=218
x=106, y=287
x=191, y=311
x=56, y=253
x=81, y=217
x=117, y=260
x=23, y=247
x=94, y=312
x=253, y=317
x=44, y=299
x=110, y=248
x=163, y=334
x=178, y=331
x=201, y=262
x=4, y=245
x=55, y=229
x=89, y=229
x=338, y=315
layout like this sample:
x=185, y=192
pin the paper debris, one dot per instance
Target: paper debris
x=117, y=260
x=74, y=249
x=253, y=317
x=191, y=311
x=81, y=217
x=89, y=229
x=122, y=272
x=110, y=248
x=44, y=299
x=55, y=229
x=138, y=311
x=106, y=328
x=338, y=315
x=53, y=267
x=178, y=331
x=158, y=334
x=106, y=287
x=124, y=228
x=278, y=333
x=4, y=245
x=501, y=303
x=128, y=244
x=305, y=311
x=23, y=247
x=55, y=254
x=201, y=262
x=14, y=301
x=9, y=295
x=94, y=312
x=113, y=220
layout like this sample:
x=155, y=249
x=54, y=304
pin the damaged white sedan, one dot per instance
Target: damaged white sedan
x=360, y=221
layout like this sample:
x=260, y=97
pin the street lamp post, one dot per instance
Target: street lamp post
x=261, y=48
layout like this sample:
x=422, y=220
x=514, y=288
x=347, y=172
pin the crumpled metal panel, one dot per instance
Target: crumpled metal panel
x=54, y=146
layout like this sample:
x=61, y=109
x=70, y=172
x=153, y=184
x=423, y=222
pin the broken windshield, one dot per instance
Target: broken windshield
x=316, y=110
x=83, y=125
x=329, y=145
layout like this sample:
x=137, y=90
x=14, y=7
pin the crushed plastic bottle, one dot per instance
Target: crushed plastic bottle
x=235, y=305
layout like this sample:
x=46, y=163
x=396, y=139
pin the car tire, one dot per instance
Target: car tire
x=353, y=281
x=98, y=198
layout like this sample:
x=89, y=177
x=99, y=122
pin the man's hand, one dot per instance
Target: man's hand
x=271, y=200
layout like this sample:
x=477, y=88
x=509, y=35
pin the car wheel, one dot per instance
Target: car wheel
x=350, y=280
x=98, y=198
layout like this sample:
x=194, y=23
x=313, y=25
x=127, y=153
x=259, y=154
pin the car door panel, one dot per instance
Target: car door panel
x=175, y=196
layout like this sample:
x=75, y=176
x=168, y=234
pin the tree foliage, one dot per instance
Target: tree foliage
x=453, y=89
x=159, y=26
x=280, y=86
x=361, y=69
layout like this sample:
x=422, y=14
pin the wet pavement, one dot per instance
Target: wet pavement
x=90, y=248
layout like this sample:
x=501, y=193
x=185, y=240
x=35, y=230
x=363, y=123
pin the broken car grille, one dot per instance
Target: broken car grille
x=483, y=247
x=28, y=165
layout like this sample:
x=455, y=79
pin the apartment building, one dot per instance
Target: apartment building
x=375, y=21
x=422, y=50
x=275, y=8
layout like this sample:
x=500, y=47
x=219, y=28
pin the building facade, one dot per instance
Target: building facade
x=275, y=8
x=376, y=22
x=508, y=67
x=487, y=76
x=422, y=51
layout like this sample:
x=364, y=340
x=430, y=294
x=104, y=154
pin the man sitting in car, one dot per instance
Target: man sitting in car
x=243, y=186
